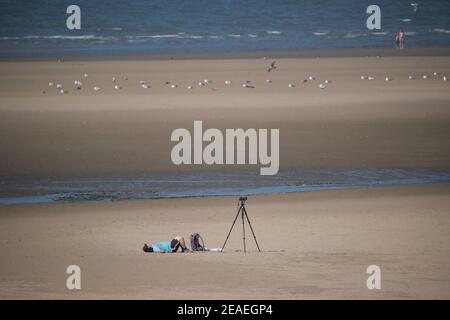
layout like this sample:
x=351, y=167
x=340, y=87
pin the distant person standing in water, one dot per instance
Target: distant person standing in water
x=399, y=39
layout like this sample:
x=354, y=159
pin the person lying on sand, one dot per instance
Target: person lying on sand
x=171, y=246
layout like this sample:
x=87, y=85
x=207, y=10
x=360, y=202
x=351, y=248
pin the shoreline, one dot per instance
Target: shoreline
x=129, y=189
x=234, y=55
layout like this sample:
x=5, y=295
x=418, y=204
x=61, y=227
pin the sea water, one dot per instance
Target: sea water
x=33, y=28
x=207, y=184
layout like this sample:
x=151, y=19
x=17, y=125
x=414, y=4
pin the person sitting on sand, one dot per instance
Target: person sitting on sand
x=171, y=246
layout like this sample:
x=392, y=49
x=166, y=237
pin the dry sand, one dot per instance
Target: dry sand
x=315, y=245
x=352, y=123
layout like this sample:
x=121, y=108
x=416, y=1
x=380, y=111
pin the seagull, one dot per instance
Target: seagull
x=59, y=86
x=117, y=87
x=311, y=78
x=227, y=82
x=411, y=78
x=425, y=76
x=50, y=84
x=201, y=84
x=435, y=73
x=78, y=84
x=444, y=78
x=189, y=87
x=272, y=66
x=63, y=91
x=327, y=81
x=370, y=78
x=415, y=5
x=387, y=79
x=364, y=77
x=290, y=85
x=173, y=86
x=86, y=75
x=205, y=81
x=145, y=86
x=113, y=79
x=268, y=81
x=96, y=88
x=322, y=86
x=247, y=85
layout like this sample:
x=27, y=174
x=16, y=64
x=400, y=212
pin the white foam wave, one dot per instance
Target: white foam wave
x=321, y=33
x=63, y=37
x=353, y=35
x=441, y=30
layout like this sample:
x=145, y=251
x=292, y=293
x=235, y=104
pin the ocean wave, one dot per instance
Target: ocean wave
x=439, y=30
x=10, y=38
x=251, y=35
x=154, y=36
x=379, y=33
x=410, y=33
x=137, y=40
x=321, y=33
x=406, y=20
x=274, y=32
x=234, y=35
x=62, y=37
x=351, y=35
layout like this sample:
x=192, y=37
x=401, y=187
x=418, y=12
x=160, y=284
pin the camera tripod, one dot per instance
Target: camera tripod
x=243, y=213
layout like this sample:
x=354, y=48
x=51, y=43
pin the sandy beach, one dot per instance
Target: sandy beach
x=315, y=244
x=352, y=123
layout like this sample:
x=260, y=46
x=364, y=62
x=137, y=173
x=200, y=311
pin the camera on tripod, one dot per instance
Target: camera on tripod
x=244, y=216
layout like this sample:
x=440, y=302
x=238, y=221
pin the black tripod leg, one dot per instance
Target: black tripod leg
x=243, y=228
x=237, y=215
x=248, y=220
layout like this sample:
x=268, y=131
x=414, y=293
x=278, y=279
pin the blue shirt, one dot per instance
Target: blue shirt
x=162, y=246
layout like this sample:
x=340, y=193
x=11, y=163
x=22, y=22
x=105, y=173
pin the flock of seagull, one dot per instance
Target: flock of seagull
x=410, y=77
x=247, y=84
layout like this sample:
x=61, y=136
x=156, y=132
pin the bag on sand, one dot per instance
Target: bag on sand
x=197, y=243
